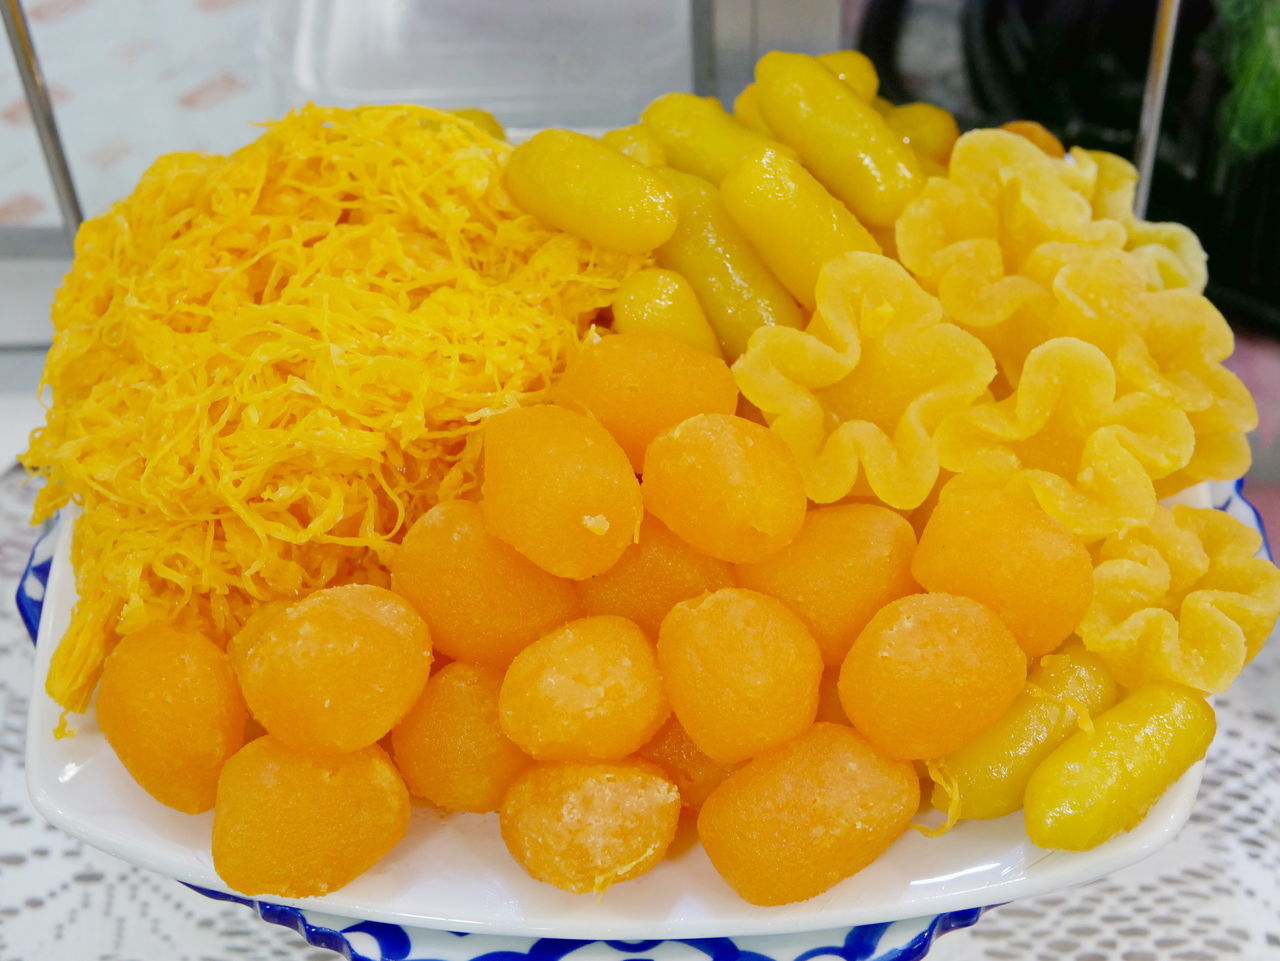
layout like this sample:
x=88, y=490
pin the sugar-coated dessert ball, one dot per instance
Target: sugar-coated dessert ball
x=1006, y=552
x=169, y=706
x=588, y=691
x=652, y=576
x=694, y=773
x=741, y=671
x=728, y=486
x=930, y=672
x=482, y=599
x=295, y=825
x=334, y=671
x=638, y=385
x=559, y=489
x=450, y=747
x=847, y=562
x=584, y=827
x=806, y=814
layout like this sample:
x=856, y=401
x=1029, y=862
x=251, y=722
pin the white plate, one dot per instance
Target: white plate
x=454, y=873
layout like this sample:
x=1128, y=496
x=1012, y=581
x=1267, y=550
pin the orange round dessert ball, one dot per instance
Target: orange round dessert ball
x=929, y=673
x=559, y=489
x=729, y=487
x=1006, y=552
x=652, y=576
x=694, y=773
x=639, y=384
x=335, y=671
x=296, y=826
x=450, y=748
x=806, y=814
x=589, y=691
x=483, y=600
x=584, y=827
x=847, y=562
x=741, y=671
x=169, y=706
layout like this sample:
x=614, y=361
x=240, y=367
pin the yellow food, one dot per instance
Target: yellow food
x=698, y=137
x=298, y=826
x=806, y=814
x=1183, y=598
x=662, y=302
x=482, y=599
x=559, y=490
x=736, y=289
x=860, y=395
x=169, y=706
x=450, y=747
x=930, y=131
x=746, y=110
x=856, y=70
x=654, y=574
x=727, y=486
x=741, y=670
x=791, y=219
x=589, y=691
x=638, y=143
x=988, y=776
x=639, y=385
x=585, y=827
x=847, y=562
x=1007, y=553
x=333, y=672
x=1103, y=781
x=929, y=673
x=694, y=773
x=265, y=364
x=843, y=141
x=583, y=186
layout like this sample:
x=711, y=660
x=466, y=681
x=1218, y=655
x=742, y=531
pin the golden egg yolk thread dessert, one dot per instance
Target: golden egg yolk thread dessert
x=265, y=365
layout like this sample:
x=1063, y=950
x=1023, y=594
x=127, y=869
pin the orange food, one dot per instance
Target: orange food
x=1038, y=134
x=694, y=773
x=450, y=748
x=652, y=576
x=559, y=489
x=930, y=672
x=169, y=706
x=589, y=691
x=847, y=562
x=296, y=826
x=741, y=670
x=334, y=671
x=806, y=814
x=584, y=827
x=1006, y=552
x=729, y=487
x=483, y=601
x=638, y=385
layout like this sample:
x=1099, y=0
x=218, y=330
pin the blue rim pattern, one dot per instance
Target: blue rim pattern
x=392, y=942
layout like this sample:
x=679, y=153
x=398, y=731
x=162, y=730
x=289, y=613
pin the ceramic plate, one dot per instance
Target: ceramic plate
x=453, y=873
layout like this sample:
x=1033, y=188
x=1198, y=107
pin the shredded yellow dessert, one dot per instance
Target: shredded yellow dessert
x=265, y=365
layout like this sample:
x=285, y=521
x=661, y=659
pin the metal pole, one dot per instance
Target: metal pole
x=1153, y=101
x=24, y=55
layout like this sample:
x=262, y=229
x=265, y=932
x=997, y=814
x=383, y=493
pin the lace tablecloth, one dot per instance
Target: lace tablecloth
x=1212, y=894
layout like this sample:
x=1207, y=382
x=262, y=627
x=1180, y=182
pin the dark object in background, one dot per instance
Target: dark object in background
x=1078, y=67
